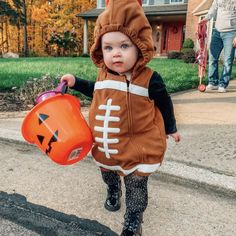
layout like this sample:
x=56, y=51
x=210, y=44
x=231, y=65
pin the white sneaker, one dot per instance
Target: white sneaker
x=221, y=90
x=211, y=87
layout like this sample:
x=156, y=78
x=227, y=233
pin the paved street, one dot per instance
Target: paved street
x=78, y=190
x=193, y=193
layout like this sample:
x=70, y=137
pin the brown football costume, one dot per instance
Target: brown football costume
x=127, y=127
x=131, y=110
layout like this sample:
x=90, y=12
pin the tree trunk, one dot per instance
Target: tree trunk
x=7, y=36
x=33, y=35
x=26, y=48
x=2, y=37
x=18, y=38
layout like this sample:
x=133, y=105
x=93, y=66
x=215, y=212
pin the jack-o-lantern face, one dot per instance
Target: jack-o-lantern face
x=43, y=139
x=57, y=127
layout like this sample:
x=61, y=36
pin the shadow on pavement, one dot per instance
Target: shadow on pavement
x=45, y=221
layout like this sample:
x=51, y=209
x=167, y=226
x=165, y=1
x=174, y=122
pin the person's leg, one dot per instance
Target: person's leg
x=112, y=179
x=229, y=52
x=216, y=47
x=136, y=203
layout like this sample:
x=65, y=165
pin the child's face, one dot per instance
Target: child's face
x=119, y=53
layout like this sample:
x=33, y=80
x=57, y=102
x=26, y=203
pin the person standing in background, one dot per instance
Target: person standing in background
x=223, y=36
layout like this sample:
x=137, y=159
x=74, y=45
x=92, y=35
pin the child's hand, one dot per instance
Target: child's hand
x=175, y=136
x=70, y=79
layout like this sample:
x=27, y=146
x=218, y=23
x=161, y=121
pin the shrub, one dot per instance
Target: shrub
x=32, y=54
x=85, y=55
x=33, y=87
x=186, y=50
x=65, y=43
x=29, y=91
x=174, y=55
x=188, y=53
x=188, y=43
x=189, y=56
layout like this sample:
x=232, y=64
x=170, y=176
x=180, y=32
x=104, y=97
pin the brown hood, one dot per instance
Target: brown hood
x=126, y=16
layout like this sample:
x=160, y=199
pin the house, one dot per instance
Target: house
x=197, y=10
x=171, y=20
x=167, y=18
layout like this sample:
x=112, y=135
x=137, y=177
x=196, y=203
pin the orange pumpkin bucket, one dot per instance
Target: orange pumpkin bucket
x=57, y=127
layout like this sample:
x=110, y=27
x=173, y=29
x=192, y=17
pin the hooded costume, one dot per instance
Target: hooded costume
x=126, y=115
x=127, y=127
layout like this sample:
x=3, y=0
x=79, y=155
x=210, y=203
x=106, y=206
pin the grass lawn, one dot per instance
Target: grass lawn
x=14, y=72
x=178, y=75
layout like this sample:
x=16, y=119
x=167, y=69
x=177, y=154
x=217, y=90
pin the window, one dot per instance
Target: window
x=100, y=3
x=176, y=1
x=159, y=2
x=148, y=2
x=144, y=2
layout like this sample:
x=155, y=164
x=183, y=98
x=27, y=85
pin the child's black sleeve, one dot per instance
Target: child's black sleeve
x=84, y=86
x=158, y=93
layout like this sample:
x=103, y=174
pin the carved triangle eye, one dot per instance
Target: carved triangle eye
x=54, y=137
x=40, y=138
x=42, y=118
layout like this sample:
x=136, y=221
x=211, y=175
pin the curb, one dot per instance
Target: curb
x=174, y=172
x=200, y=178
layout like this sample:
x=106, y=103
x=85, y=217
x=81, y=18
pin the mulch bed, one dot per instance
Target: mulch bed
x=12, y=107
x=10, y=103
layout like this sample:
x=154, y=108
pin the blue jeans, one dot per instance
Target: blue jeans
x=219, y=41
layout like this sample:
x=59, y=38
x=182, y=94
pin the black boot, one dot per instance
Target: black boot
x=133, y=224
x=114, y=193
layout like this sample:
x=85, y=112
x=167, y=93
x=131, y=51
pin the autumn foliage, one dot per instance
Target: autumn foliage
x=48, y=27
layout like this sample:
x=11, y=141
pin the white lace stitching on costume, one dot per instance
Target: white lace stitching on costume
x=105, y=130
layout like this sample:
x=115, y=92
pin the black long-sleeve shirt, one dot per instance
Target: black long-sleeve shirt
x=157, y=92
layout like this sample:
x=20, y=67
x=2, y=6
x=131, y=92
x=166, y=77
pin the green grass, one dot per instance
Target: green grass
x=178, y=75
x=14, y=72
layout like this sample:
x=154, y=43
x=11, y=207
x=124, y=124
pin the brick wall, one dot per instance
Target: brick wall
x=192, y=21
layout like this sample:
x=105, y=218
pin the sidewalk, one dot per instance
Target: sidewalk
x=206, y=156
